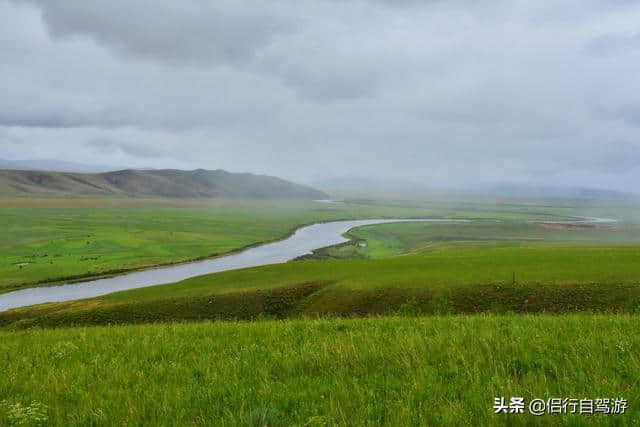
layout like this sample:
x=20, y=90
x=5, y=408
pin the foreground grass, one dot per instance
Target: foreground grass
x=456, y=279
x=376, y=371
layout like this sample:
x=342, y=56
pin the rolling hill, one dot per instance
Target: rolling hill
x=153, y=183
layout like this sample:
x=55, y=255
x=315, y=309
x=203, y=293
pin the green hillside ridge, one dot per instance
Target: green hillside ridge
x=170, y=183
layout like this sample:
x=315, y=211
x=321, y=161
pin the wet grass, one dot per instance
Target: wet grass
x=452, y=279
x=377, y=371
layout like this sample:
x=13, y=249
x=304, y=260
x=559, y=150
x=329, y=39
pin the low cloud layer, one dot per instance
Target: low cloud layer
x=443, y=93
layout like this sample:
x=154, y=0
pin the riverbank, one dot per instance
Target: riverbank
x=302, y=241
x=47, y=242
x=443, y=280
x=81, y=278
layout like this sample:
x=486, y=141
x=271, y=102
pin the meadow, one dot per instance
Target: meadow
x=45, y=241
x=440, y=370
x=386, y=240
x=415, y=276
x=53, y=240
x=409, y=324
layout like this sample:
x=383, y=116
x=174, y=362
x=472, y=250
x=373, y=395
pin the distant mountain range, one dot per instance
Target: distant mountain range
x=26, y=177
x=378, y=187
x=153, y=183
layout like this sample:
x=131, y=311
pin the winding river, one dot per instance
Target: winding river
x=303, y=241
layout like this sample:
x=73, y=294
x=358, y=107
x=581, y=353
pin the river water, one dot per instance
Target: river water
x=303, y=241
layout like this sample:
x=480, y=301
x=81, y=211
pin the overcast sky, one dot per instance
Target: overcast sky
x=446, y=93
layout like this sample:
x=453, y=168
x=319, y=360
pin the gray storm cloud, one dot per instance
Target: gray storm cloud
x=177, y=32
x=442, y=93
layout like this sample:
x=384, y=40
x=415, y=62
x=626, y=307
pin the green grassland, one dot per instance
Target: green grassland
x=385, y=240
x=494, y=266
x=449, y=279
x=51, y=240
x=54, y=240
x=436, y=340
x=377, y=371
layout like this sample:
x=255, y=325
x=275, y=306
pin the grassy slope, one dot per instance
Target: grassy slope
x=459, y=280
x=390, y=371
x=451, y=268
